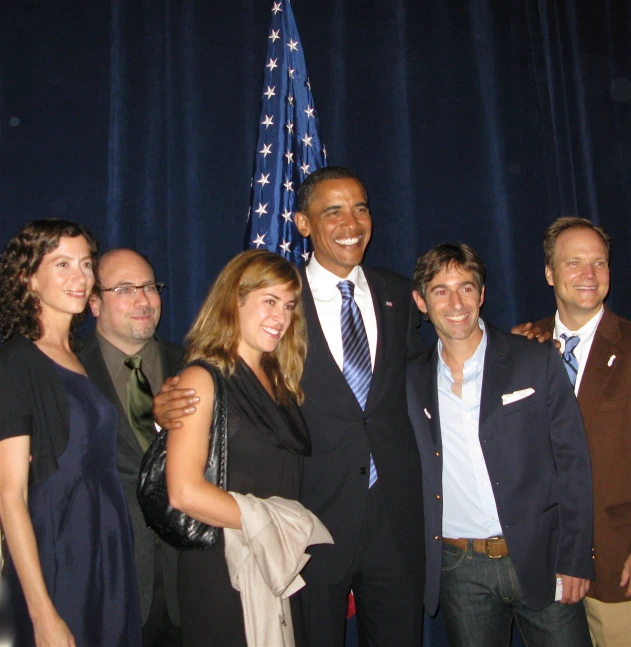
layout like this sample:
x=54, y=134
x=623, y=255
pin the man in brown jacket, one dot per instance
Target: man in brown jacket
x=596, y=347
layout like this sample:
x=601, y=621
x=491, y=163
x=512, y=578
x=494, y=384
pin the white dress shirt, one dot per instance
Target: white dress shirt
x=328, y=303
x=586, y=335
x=469, y=508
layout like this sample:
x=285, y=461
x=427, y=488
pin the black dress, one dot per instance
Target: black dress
x=83, y=531
x=266, y=446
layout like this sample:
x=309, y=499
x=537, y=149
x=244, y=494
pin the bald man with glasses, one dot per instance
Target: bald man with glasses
x=128, y=361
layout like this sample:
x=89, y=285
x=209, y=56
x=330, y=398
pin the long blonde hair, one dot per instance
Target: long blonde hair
x=215, y=333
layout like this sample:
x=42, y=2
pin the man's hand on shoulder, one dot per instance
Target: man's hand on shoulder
x=625, y=578
x=170, y=404
x=574, y=589
x=532, y=331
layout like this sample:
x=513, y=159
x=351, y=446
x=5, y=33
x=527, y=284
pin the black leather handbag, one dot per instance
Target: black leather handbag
x=173, y=526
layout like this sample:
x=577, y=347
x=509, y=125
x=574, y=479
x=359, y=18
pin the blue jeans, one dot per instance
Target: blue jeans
x=480, y=597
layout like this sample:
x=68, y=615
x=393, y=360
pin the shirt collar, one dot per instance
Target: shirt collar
x=320, y=279
x=584, y=332
x=115, y=356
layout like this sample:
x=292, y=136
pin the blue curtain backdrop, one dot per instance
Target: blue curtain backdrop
x=476, y=120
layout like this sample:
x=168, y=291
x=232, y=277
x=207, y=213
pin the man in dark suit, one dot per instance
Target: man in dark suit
x=363, y=479
x=127, y=307
x=506, y=470
x=577, y=267
x=376, y=522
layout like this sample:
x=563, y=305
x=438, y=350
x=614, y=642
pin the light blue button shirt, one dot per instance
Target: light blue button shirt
x=469, y=508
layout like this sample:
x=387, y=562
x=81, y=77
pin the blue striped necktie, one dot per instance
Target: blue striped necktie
x=357, y=366
x=569, y=358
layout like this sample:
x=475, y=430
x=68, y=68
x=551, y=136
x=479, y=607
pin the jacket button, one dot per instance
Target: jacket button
x=363, y=471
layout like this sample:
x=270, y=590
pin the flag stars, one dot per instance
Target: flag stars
x=308, y=84
x=276, y=8
x=324, y=151
x=289, y=186
x=306, y=140
x=291, y=71
x=268, y=121
x=259, y=240
x=305, y=169
x=274, y=36
x=293, y=45
x=267, y=150
x=290, y=157
x=305, y=255
x=263, y=180
x=269, y=93
x=286, y=215
x=286, y=246
x=273, y=62
x=309, y=112
x=290, y=127
x=262, y=208
x=290, y=99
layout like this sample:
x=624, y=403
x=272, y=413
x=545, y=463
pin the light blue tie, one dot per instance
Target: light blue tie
x=571, y=363
x=357, y=366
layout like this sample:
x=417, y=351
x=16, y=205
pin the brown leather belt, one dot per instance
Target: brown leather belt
x=493, y=547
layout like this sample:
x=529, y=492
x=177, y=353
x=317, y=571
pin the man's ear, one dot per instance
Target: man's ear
x=482, y=295
x=420, y=302
x=95, y=303
x=302, y=223
x=549, y=276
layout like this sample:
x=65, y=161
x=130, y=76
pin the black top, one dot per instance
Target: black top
x=34, y=403
x=258, y=428
x=267, y=443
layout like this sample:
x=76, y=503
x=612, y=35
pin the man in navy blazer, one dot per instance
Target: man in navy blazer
x=506, y=471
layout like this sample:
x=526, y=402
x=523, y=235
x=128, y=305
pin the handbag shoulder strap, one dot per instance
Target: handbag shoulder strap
x=216, y=470
x=218, y=379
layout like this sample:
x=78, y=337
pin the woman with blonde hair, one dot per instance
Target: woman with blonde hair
x=251, y=326
x=71, y=569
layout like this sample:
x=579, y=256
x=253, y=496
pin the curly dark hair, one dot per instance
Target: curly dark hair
x=19, y=307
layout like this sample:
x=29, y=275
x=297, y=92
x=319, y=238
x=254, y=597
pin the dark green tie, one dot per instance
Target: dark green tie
x=140, y=403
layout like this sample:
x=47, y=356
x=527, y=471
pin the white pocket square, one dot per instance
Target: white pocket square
x=509, y=398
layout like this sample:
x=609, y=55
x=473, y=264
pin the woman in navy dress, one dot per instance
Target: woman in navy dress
x=71, y=572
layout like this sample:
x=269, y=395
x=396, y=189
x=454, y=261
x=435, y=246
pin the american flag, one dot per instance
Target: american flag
x=289, y=145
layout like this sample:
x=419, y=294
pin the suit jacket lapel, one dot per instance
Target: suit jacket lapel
x=92, y=360
x=430, y=385
x=597, y=373
x=385, y=332
x=423, y=397
x=496, y=367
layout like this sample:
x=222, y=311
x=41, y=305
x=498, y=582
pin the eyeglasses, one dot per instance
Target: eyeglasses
x=123, y=291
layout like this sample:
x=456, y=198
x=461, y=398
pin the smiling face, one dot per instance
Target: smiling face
x=338, y=221
x=452, y=302
x=264, y=316
x=127, y=322
x=579, y=274
x=64, y=279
